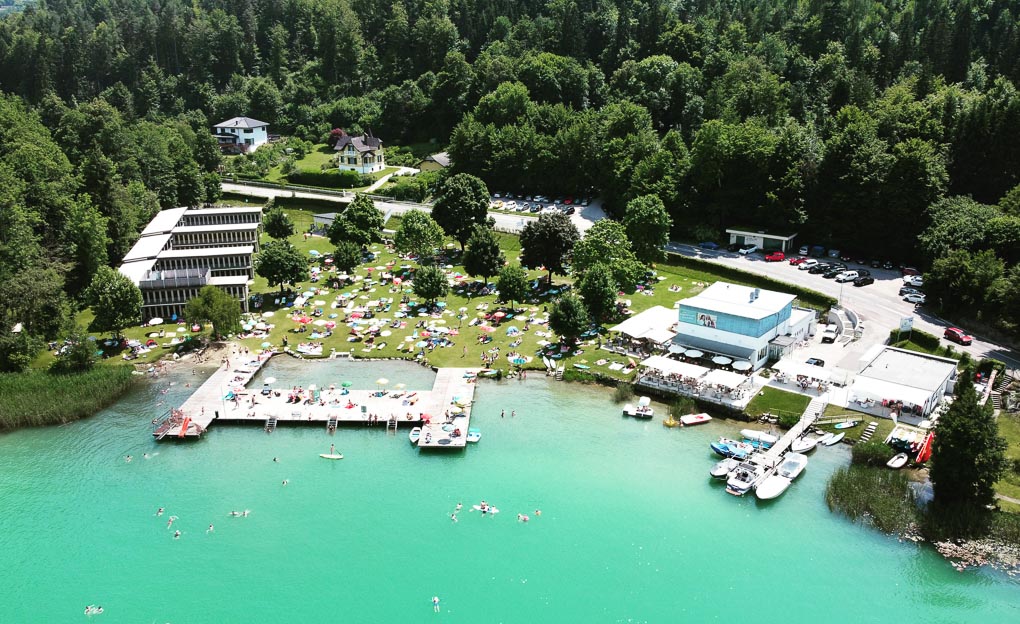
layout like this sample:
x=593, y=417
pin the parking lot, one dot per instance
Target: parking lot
x=583, y=211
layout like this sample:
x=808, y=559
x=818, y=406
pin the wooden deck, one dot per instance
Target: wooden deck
x=438, y=411
x=811, y=414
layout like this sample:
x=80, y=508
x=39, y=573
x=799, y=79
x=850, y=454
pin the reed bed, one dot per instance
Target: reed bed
x=37, y=398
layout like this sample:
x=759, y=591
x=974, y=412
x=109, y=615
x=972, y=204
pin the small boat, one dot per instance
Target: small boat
x=850, y=424
x=898, y=461
x=670, y=422
x=773, y=486
x=732, y=448
x=836, y=439
x=723, y=468
x=745, y=476
x=804, y=444
x=825, y=438
x=414, y=435
x=331, y=455
x=474, y=435
x=766, y=439
x=643, y=409
x=695, y=419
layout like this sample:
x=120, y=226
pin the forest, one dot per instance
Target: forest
x=885, y=128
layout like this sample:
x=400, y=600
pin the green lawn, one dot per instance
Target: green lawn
x=885, y=425
x=1009, y=428
x=321, y=155
x=913, y=346
x=777, y=402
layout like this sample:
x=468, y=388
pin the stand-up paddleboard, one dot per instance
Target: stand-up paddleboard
x=331, y=456
x=491, y=510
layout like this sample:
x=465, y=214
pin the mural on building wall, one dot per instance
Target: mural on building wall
x=708, y=320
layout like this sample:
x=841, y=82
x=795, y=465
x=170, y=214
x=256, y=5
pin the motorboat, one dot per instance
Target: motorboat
x=643, y=409
x=414, y=435
x=474, y=435
x=695, y=419
x=804, y=444
x=764, y=439
x=723, y=468
x=777, y=483
x=836, y=439
x=732, y=448
x=826, y=437
x=898, y=461
x=745, y=476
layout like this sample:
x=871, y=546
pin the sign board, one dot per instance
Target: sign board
x=906, y=323
x=708, y=320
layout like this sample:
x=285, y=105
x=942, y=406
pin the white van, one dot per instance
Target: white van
x=830, y=333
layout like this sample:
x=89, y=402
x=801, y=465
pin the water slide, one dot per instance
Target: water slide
x=184, y=427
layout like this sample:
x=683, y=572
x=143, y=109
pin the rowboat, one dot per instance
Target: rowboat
x=848, y=425
x=695, y=419
x=414, y=435
x=836, y=439
x=898, y=461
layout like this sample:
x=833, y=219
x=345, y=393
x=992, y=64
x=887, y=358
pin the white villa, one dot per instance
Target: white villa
x=363, y=154
x=241, y=134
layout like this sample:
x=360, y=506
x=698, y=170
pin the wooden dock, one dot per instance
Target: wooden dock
x=440, y=411
x=811, y=414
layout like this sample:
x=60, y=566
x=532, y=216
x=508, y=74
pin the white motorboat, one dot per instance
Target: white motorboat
x=643, y=409
x=898, y=461
x=804, y=444
x=694, y=419
x=723, y=468
x=777, y=483
x=474, y=435
x=746, y=475
x=825, y=438
x=754, y=435
x=836, y=439
x=414, y=435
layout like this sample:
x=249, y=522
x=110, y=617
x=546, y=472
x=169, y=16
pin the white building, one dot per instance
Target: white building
x=742, y=323
x=363, y=154
x=907, y=383
x=182, y=250
x=241, y=134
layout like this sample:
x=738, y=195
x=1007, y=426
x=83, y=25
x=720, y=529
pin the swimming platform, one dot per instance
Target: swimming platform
x=439, y=411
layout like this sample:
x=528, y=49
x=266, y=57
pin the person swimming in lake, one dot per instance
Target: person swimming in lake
x=285, y=481
x=171, y=521
x=127, y=459
x=459, y=507
x=159, y=512
x=453, y=516
x=177, y=534
x=211, y=529
x=435, y=604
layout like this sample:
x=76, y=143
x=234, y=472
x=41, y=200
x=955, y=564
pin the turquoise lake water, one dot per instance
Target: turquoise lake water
x=632, y=527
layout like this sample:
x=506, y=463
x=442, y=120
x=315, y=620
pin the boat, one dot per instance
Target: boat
x=766, y=439
x=745, y=476
x=474, y=435
x=804, y=444
x=836, y=439
x=777, y=483
x=732, y=448
x=723, y=468
x=898, y=461
x=331, y=455
x=548, y=363
x=643, y=409
x=695, y=419
x=826, y=437
x=414, y=435
x=924, y=454
x=669, y=421
x=850, y=424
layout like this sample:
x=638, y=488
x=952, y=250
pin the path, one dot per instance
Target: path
x=811, y=414
x=386, y=178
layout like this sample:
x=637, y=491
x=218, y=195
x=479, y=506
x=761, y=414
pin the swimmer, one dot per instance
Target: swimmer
x=276, y=459
x=211, y=529
x=538, y=512
x=285, y=482
x=145, y=456
x=435, y=604
x=459, y=507
x=522, y=518
x=171, y=521
x=127, y=459
x=177, y=534
x=159, y=512
x=453, y=517
x=246, y=512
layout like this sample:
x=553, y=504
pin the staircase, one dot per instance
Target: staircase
x=869, y=431
x=814, y=410
x=391, y=425
x=331, y=425
x=271, y=424
x=559, y=374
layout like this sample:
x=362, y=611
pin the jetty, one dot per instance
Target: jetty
x=443, y=413
x=807, y=419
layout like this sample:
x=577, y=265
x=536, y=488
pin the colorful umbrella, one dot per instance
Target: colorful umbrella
x=266, y=345
x=382, y=381
x=346, y=384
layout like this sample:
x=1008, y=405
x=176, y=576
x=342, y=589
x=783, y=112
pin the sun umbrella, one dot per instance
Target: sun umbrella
x=742, y=365
x=155, y=321
x=456, y=409
x=304, y=320
x=266, y=345
x=721, y=360
x=319, y=323
x=382, y=381
x=400, y=386
x=462, y=309
x=346, y=384
x=268, y=314
x=320, y=302
x=330, y=324
x=421, y=344
x=693, y=353
x=397, y=281
x=385, y=333
x=313, y=252
x=270, y=380
x=498, y=314
x=519, y=361
x=261, y=325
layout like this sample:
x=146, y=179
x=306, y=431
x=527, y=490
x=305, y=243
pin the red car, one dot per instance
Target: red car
x=775, y=256
x=957, y=335
x=798, y=260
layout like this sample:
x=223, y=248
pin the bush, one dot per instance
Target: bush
x=37, y=397
x=408, y=189
x=872, y=453
x=788, y=420
x=923, y=339
x=882, y=497
x=624, y=392
x=577, y=375
x=682, y=406
x=328, y=179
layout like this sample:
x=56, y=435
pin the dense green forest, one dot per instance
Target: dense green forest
x=887, y=128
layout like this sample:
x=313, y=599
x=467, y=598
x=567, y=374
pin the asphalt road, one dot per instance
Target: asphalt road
x=878, y=305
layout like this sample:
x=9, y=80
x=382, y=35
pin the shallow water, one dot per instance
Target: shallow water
x=632, y=527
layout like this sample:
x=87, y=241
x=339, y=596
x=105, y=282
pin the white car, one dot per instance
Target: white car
x=807, y=264
x=915, y=298
x=510, y=205
x=747, y=250
x=847, y=276
x=914, y=280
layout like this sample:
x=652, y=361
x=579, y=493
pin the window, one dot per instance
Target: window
x=248, y=130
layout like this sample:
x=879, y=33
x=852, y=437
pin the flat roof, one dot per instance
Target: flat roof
x=147, y=247
x=228, y=280
x=736, y=300
x=216, y=211
x=654, y=324
x=201, y=252
x=137, y=269
x=164, y=221
x=910, y=369
x=225, y=227
x=764, y=233
x=726, y=379
x=674, y=367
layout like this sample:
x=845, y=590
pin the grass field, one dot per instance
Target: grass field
x=321, y=155
x=1009, y=428
x=773, y=401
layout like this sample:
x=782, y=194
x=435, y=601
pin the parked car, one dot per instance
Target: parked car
x=906, y=290
x=821, y=267
x=876, y=264
x=846, y=256
x=847, y=276
x=957, y=335
x=913, y=280
x=915, y=298
x=747, y=250
x=864, y=280
x=815, y=362
x=775, y=256
x=817, y=251
x=804, y=250
x=887, y=265
x=807, y=264
x=798, y=260
x=833, y=271
x=733, y=247
x=906, y=270
x=833, y=253
x=536, y=208
x=709, y=245
x=829, y=334
x=570, y=210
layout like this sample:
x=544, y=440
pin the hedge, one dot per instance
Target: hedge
x=328, y=179
x=806, y=296
x=921, y=338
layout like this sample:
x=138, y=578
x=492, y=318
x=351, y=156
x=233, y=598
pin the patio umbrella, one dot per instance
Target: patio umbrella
x=261, y=325
x=722, y=360
x=155, y=321
x=320, y=302
x=304, y=320
x=268, y=314
x=382, y=381
x=397, y=281
x=266, y=345
x=385, y=333
x=498, y=314
x=313, y=252
x=742, y=365
x=319, y=323
x=346, y=384
x=519, y=361
x=693, y=353
x=462, y=309
x=330, y=324
x=421, y=344
x=400, y=386
x=270, y=380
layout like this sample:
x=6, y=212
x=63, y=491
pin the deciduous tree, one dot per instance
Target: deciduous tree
x=598, y=288
x=214, y=305
x=569, y=318
x=361, y=223
x=512, y=284
x=346, y=256
x=483, y=257
x=276, y=222
x=115, y=301
x=462, y=202
x=430, y=283
x=420, y=235
x=647, y=226
x=280, y=263
x=606, y=242
x=547, y=241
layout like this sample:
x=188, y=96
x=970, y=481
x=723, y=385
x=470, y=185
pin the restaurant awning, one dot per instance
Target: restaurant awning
x=674, y=367
x=653, y=324
x=794, y=368
x=880, y=389
x=725, y=379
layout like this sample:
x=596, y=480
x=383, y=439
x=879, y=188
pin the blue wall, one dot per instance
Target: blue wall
x=737, y=324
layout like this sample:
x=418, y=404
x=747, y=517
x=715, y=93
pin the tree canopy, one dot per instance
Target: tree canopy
x=483, y=257
x=346, y=256
x=419, y=235
x=598, y=289
x=115, y=301
x=360, y=223
x=512, y=284
x=606, y=243
x=461, y=203
x=276, y=222
x=430, y=283
x=547, y=241
x=568, y=317
x=214, y=305
x=280, y=263
x=647, y=225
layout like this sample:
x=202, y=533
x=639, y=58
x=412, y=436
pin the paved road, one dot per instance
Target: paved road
x=879, y=305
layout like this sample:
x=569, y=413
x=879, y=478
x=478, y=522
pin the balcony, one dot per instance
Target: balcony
x=178, y=278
